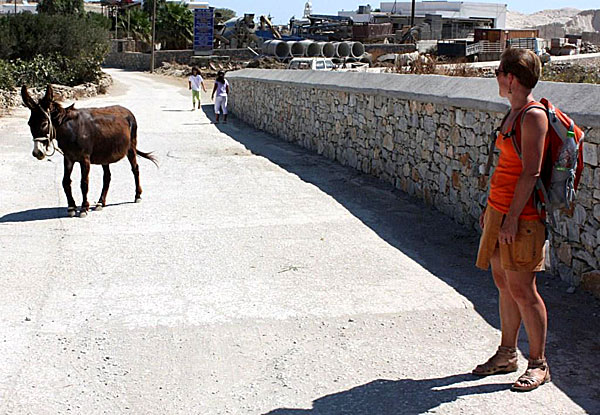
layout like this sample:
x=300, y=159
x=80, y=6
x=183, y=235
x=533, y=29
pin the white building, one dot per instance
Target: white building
x=450, y=10
x=307, y=9
x=22, y=6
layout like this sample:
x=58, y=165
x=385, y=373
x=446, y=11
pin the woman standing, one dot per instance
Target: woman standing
x=513, y=234
x=221, y=88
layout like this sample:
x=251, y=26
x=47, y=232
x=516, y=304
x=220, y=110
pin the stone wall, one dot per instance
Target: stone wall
x=427, y=135
x=11, y=98
x=138, y=61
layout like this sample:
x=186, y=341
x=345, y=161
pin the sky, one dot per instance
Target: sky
x=282, y=10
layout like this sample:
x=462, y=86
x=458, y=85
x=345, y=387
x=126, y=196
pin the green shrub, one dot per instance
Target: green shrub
x=6, y=75
x=43, y=48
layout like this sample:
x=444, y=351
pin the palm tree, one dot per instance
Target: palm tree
x=175, y=26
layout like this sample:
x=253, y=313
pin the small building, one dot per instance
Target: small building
x=503, y=35
x=18, y=6
x=433, y=20
x=458, y=10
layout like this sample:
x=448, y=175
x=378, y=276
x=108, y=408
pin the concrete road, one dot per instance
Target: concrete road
x=254, y=278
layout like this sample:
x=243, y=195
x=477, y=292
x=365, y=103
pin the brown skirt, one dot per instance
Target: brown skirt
x=525, y=254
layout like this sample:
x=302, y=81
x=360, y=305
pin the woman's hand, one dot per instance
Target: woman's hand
x=508, y=231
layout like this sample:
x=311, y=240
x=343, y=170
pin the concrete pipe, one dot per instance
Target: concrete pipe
x=327, y=49
x=357, y=49
x=297, y=49
x=342, y=49
x=312, y=48
x=366, y=58
x=277, y=48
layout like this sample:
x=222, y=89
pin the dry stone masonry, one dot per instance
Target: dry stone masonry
x=426, y=135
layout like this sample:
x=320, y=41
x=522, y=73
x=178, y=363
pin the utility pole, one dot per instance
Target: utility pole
x=15, y=7
x=412, y=14
x=153, y=35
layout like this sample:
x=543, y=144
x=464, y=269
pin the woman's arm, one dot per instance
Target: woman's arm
x=533, y=134
x=213, y=91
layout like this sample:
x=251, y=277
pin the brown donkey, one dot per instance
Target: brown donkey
x=85, y=136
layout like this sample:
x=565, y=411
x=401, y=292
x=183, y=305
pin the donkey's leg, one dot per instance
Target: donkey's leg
x=66, y=182
x=106, y=182
x=85, y=180
x=131, y=156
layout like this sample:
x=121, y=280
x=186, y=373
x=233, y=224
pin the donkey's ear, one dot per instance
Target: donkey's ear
x=48, y=98
x=27, y=100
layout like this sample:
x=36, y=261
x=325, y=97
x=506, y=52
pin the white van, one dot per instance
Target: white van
x=316, y=64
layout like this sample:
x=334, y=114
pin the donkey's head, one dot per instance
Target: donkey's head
x=40, y=122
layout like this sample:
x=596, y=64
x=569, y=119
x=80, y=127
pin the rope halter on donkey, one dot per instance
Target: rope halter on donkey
x=50, y=137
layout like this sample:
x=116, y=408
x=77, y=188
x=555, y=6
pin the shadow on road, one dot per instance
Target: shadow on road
x=407, y=396
x=33, y=215
x=447, y=250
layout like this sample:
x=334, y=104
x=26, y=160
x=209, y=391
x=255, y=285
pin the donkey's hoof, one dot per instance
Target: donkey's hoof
x=138, y=200
x=71, y=212
x=98, y=207
x=83, y=214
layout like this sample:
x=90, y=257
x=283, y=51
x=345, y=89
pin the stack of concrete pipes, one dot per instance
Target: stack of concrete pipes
x=307, y=48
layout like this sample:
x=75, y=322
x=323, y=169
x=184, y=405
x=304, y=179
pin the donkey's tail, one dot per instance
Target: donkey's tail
x=148, y=156
x=133, y=126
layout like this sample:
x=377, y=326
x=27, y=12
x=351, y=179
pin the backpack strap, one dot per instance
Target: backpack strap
x=520, y=118
x=493, y=137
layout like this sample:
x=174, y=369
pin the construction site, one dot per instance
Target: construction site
x=396, y=37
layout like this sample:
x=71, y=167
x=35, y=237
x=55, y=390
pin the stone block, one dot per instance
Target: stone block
x=587, y=259
x=563, y=252
x=590, y=154
x=459, y=117
x=579, y=215
x=566, y=273
x=590, y=281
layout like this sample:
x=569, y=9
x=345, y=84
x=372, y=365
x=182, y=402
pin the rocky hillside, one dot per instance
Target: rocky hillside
x=566, y=20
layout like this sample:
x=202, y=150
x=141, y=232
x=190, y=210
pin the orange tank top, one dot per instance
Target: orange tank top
x=506, y=174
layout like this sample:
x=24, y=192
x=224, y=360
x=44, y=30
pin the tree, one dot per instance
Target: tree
x=140, y=25
x=64, y=7
x=175, y=26
x=222, y=15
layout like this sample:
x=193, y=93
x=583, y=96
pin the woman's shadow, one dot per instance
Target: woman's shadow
x=406, y=396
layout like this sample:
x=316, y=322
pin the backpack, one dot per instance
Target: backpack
x=555, y=189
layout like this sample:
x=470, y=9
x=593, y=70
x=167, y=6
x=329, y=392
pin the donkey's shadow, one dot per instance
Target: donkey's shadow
x=34, y=215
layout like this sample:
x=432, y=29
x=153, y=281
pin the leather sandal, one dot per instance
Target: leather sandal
x=504, y=361
x=537, y=374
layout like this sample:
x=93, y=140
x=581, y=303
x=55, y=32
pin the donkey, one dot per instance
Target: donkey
x=85, y=136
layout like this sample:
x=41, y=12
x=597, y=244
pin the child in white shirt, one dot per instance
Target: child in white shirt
x=221, y=89
x=195, y=81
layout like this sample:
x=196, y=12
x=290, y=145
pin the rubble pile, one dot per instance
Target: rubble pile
x=587, y=47
x=580, y=72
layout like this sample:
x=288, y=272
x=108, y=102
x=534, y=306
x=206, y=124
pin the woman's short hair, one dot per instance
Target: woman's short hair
x=523, y=64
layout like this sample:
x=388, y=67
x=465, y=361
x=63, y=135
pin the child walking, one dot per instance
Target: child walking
x=195, y=82
x=221, y=88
